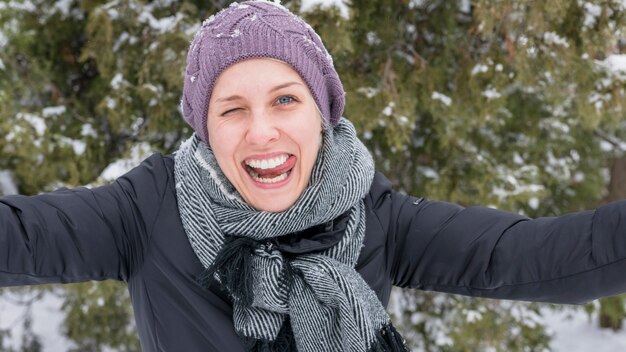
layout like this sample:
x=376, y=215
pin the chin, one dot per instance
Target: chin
x=274, y=201
x=275, y=207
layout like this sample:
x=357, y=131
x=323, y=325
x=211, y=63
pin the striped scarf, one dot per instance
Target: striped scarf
x=312, y=301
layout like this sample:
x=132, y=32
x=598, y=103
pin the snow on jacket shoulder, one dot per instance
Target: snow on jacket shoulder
x=131, y=231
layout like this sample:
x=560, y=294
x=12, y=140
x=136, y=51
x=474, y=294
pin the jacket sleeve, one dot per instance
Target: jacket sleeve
x=73, y=235
x=484, y=252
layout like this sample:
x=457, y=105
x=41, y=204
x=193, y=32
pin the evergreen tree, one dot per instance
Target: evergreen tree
x=510, y=104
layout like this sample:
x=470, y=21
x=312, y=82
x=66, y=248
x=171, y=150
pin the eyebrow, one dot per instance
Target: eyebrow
x=284, y=85
x=231, y=98
x=278, y=87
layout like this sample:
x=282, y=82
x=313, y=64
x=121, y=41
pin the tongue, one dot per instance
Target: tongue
x=278, y=170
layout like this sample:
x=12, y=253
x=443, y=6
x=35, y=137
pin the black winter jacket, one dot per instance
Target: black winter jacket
x=131, y=231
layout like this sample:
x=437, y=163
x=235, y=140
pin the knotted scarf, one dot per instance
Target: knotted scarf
x=313, y=300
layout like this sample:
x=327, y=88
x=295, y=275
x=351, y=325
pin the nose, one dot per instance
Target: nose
x=262, y=130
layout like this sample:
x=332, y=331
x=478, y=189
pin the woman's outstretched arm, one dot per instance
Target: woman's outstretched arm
x=479, y=251
x=74, y=235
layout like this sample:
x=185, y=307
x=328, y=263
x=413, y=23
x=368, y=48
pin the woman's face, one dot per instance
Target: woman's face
x=265, y=131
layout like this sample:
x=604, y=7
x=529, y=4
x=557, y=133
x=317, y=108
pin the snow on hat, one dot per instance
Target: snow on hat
x=257, y=29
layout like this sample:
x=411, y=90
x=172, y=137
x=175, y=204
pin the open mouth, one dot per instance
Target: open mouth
x=272, y=170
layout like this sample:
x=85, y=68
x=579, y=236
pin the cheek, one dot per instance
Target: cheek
x=310, y=128
x=310, y=141
x=223, y=142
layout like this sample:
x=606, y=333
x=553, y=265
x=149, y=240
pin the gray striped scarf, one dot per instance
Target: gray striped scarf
x=316, y=300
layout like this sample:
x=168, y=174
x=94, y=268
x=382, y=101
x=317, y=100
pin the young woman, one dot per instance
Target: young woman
x=269, y=229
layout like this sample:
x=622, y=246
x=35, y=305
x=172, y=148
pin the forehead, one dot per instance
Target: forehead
x=255, y=75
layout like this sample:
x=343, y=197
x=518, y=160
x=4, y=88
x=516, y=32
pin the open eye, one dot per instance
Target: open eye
x=285, y=99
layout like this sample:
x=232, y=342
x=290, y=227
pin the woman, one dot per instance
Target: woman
x=269, y=229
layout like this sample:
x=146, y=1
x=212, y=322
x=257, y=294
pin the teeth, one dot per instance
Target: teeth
x=279, y=178
x=267, y=163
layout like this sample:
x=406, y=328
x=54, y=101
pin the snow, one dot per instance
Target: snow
x=369, y=92
x=597, y=100
x=372, y=38
x=555, y=124
x=388, y=110
x=472, y=315
x=465, y=6
x=579, y=177
x=3, y=40
x=77, y=145
x=573, y=331
x=162, y=25
x=7, y=185
x=18, y=5
x=53, y=110
x=195, y=28
x=46, y=320
x=63, y=6
x=615, y=64
x=403, y=120
x=522, y=39
x=117, y=80
x=605, y=146
x=553, y=38
x=238, y=6
x=170, y=55
x=491, y=93
x=592, y=12
x=428, y=172
x=416, y=3
x=308, y=5
x=446, y=100
x=442, y=339
x=120, y=167
x=480, y=68
x=113, y=14
x=570, y=327
x=110, y=103
x=518, y=188
x=208, y=20
x=120, y=40
x=36, y=121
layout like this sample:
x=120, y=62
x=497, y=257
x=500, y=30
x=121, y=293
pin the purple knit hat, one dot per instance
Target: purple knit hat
x=257, y=29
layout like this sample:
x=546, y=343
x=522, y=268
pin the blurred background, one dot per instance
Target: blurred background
x=513, y=104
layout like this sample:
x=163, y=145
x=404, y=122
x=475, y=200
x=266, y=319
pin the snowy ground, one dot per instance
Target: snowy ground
x=46, y=320
x=572, y=330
